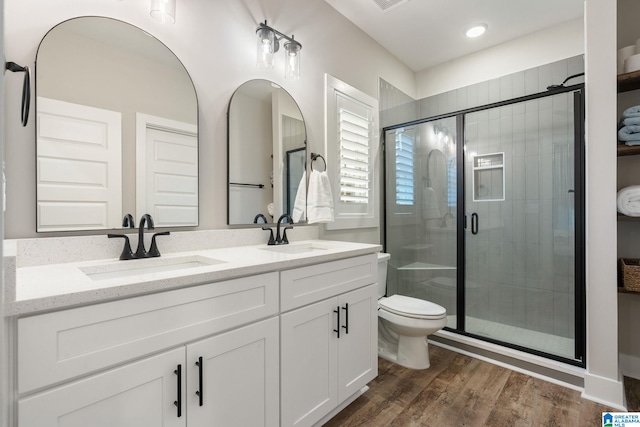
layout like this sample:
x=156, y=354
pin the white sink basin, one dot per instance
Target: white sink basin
x=138, y=267
x=298, y=248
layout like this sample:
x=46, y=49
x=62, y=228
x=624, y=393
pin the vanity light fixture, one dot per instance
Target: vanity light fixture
x=269, y=43
x=164, y=10
x=476, y=30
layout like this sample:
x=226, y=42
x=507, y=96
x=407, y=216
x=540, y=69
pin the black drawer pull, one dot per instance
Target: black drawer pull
x=200, y=393
x=178, y=402
x=346, y=318
x=337, y=331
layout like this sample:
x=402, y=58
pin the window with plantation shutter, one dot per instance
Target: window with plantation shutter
x=354, y=158
x=351, y=147
x=405, y=152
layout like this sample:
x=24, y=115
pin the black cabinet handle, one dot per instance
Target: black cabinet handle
x=178, y=402
x=200, y=393
x=346, y=318
x=474, y=223
x=337, y=331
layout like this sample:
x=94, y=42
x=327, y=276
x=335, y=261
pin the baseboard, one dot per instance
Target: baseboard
x=604, y=390
x=629, y=365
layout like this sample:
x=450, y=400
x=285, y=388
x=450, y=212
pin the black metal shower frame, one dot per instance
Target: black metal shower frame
x=580, y=186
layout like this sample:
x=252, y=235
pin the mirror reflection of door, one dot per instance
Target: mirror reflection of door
x=167, y=171
x=265, y=123
x=105, y=64
x=78, y=170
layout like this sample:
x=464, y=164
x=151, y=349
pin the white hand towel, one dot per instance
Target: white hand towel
x=319, y=198
x=628, y=200
x=300, y=204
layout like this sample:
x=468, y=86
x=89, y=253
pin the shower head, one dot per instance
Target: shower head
x=561, y=85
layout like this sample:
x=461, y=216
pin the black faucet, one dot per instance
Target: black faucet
x=283, y=240
x=257, y=217
x=127, y=222
x=141, y=252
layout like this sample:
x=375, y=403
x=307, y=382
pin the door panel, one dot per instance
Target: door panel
x=520, y=238
x=309, y=361
x=240, y=378
x=79, y=173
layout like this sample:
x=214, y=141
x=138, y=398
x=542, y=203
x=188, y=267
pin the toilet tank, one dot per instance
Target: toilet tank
x=383, y=260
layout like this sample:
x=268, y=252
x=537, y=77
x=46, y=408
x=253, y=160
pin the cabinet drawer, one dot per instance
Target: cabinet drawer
x=305, y=285
x=58, y=346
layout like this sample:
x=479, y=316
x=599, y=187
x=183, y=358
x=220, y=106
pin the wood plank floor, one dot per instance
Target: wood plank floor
x=459, y=390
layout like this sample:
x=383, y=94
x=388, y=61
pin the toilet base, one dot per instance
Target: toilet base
x=410, y=352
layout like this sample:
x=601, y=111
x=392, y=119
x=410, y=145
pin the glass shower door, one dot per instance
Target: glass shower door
x=421, y=199
x=520, y=224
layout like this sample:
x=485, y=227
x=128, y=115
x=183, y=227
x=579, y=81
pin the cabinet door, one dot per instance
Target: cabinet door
x=143, y=393
x=236, y=383
x=309, y=363
x=357, y=349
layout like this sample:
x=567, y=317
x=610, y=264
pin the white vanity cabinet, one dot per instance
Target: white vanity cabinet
x=138, y=394
x=289, y=347
x=329, y=343
x=66, y=359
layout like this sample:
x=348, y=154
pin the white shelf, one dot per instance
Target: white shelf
x=425, y=266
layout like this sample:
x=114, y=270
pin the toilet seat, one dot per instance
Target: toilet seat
x=412, y=307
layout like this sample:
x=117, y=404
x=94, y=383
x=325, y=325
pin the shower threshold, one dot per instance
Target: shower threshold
x=548, y=343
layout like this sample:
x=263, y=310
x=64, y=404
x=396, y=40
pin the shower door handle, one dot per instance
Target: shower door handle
x=474, y=223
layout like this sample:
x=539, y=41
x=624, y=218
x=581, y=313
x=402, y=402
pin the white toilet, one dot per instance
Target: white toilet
x=404, y=323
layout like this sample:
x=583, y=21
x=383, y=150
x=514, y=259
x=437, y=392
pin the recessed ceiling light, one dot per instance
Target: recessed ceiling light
x=476, y=30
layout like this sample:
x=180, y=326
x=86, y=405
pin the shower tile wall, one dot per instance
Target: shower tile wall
x=531, y=287
x=525, y=259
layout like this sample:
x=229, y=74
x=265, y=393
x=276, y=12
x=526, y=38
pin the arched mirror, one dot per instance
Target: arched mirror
x=266, y=154
x=117, y=129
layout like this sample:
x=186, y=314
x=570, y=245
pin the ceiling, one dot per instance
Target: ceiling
x=424, y=33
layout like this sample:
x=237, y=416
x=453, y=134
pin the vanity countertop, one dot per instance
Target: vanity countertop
x=56, y=286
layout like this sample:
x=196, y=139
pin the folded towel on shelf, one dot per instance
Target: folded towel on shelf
x=628, y=121
x=631, y=112
x=628, y=200
x=629, y=133
x=319, y=198
x=300, y=203
x=632, y=143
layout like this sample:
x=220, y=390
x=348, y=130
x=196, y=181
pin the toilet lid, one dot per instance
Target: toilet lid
x=412, y=307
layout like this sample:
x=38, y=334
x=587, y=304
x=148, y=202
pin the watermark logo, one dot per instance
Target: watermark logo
x=621, y=419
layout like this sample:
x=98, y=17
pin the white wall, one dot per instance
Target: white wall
x=602, y=381
x=216, y=42
x=4, y=368
x=553, y=44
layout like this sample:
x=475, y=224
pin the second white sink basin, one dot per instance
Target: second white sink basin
x=298, y=248
x=138, y=267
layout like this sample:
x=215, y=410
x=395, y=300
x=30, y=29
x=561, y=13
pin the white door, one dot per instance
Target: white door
x=309, y=363
x=139, y=394
x=79, y=167
x=167, y=171
x=240, y=378
x=358, y=346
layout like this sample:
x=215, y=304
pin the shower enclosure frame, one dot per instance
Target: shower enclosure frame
x=578, y=91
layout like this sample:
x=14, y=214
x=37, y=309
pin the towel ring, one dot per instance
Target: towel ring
x=26, y=89
x=314, y=157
